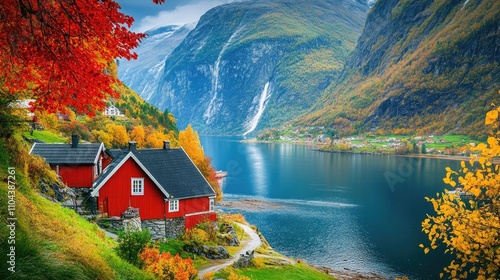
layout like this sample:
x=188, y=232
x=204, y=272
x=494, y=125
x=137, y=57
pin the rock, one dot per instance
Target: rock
x=210, y=252
x=228, y=235
x=245, y=260
x=130, y=212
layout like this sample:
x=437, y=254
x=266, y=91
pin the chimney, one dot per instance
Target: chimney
x=166, y=144
x=74, y=141
x=132, y=146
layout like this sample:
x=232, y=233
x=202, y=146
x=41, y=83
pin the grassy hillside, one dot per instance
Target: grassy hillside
x=142, y=123
x=419, y=66
x=51, y=242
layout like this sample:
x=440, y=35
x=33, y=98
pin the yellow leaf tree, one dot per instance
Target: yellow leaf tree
x=467, y=221
x=119, y=134
x=190, y=142
x=138, y=135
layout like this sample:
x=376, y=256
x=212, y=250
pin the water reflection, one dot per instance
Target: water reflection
x=258, y=170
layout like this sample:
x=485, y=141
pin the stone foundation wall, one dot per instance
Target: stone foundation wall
x=175, y=227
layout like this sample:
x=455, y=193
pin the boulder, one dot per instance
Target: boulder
x=210, y=252
x=245, y=260
x=228, y=235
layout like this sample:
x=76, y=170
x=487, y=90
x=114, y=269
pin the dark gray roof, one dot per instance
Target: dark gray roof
x=113, y=152
x=64, y=154
x=171, y=168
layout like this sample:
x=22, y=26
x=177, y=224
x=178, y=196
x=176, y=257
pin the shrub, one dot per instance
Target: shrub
x=131, y=244
x=164, y=266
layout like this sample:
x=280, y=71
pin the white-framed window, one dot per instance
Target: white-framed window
x=173, y=205
x=212, y=204
x=137, y=185
x=57, y=169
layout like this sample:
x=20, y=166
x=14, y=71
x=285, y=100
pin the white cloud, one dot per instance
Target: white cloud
x=179, y=16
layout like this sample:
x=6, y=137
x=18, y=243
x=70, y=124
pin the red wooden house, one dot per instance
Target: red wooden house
x=79, y=165
x=162, y=183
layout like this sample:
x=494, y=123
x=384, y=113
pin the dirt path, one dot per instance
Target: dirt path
x=248, y=245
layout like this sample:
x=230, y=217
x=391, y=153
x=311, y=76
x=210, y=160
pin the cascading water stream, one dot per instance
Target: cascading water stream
x=264, y=97
x=214, y=105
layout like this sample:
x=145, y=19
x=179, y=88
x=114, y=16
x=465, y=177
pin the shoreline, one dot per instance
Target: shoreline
x=430, y=156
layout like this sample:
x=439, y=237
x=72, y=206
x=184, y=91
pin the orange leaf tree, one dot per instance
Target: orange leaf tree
x=168, y=267
x=467, y=222
x=58, y=52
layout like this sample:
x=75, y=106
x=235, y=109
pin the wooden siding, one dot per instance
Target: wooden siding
x=189, y=206
x=76, y=176
x=117, y=193
x=193, y=220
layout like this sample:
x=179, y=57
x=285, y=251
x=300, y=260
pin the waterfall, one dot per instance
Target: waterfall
x=214, y=105
x=264, y=97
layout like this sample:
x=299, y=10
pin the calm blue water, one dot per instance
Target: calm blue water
x=360, y=212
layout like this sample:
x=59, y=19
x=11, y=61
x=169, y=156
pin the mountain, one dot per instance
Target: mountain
x=255, y=64
x=142, y=75
x=420, y=66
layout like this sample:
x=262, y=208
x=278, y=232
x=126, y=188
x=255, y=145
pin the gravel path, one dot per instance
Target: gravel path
x=248, y=245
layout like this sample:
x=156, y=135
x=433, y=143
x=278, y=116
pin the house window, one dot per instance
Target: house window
x=212, y=204
x=57, y=169
x=137, y=186
x=173, y=205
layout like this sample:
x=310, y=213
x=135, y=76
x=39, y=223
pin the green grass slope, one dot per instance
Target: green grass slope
x=51, y=242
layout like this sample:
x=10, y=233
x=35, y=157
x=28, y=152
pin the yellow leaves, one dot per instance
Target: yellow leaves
x=467, y=224
x=491, y=117
x=492, y=141
x=482, y=160
x=475, y=191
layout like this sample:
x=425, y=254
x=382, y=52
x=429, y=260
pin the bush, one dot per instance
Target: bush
x=131, y=244
x=164, y=266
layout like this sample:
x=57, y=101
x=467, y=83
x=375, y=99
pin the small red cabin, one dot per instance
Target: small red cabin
x=79, y=165
x=162, y=183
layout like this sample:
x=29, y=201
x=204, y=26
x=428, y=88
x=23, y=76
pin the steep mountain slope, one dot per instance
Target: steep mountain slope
x=256, y=64
x=143, y=74
x=430, y=66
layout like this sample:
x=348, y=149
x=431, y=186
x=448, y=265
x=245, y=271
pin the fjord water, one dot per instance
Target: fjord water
x=344, y=211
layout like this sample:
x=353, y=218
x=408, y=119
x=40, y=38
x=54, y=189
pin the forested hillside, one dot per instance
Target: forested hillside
x=419, y=67
x=254, y=64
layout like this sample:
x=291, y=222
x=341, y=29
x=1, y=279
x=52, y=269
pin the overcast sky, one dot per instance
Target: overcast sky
x=148, y=15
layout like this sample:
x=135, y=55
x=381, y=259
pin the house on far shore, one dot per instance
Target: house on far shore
x=164, y=184
x=78, y=164
x=112, y=111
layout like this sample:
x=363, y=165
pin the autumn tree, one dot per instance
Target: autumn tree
x=138, y=135
x=190, y=142
x=155, y=138
x=467, y=222
x=167, y=267
x=118, y=133
x=58, y=52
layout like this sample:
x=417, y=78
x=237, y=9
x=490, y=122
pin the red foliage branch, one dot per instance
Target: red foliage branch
x=58, y=51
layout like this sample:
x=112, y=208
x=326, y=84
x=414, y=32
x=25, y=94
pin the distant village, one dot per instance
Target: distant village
x=388, y=144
